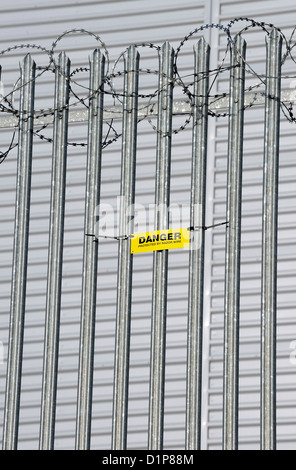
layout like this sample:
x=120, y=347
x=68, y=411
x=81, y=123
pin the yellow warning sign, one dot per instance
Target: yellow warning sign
x=160, y=240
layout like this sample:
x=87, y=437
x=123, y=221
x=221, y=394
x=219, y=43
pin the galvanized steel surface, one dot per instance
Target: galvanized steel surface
x=55, y=256
x=125, y=258
x=269, y=242
x=196, y=259
x=90, y=257
x=232, y=248
x=160, y=258
x=21, y=239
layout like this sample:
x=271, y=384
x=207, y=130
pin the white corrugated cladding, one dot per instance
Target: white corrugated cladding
x=249, y=415
x=120, y=23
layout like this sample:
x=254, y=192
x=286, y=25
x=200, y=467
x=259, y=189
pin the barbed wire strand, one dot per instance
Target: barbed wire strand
x=108, y=86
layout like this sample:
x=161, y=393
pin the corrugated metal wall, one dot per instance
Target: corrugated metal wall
x=119, y=24
x=249, y=431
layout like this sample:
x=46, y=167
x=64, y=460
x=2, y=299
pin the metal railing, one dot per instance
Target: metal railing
x=130, y=113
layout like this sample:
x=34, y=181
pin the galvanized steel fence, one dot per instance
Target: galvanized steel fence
x=165, y=110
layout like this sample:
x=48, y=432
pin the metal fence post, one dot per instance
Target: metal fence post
x=20, y=256
x=90, y=253
x=196, y=256
x=269, y=237
x=55, y=254
x=233, y=241
x=125, y=258
x=160, y=258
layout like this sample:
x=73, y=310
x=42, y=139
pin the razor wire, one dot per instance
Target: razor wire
x=185, y=82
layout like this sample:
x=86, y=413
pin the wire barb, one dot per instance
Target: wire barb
x=118, y=237
x=185, y=82
x=207, y=227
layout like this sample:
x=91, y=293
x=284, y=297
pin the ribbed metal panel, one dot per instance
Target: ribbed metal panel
x=250, y=314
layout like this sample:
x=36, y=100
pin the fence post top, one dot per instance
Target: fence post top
x=167, y=47
x=201, y=46
x=274, y=36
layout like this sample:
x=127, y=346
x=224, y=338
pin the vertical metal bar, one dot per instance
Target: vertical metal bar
x=55, y=254
x=125, y=259
x=233, y=243
x=160, y=259
x=20, y=256
x=269, y=236
x=196, y=256
x=90, y=253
